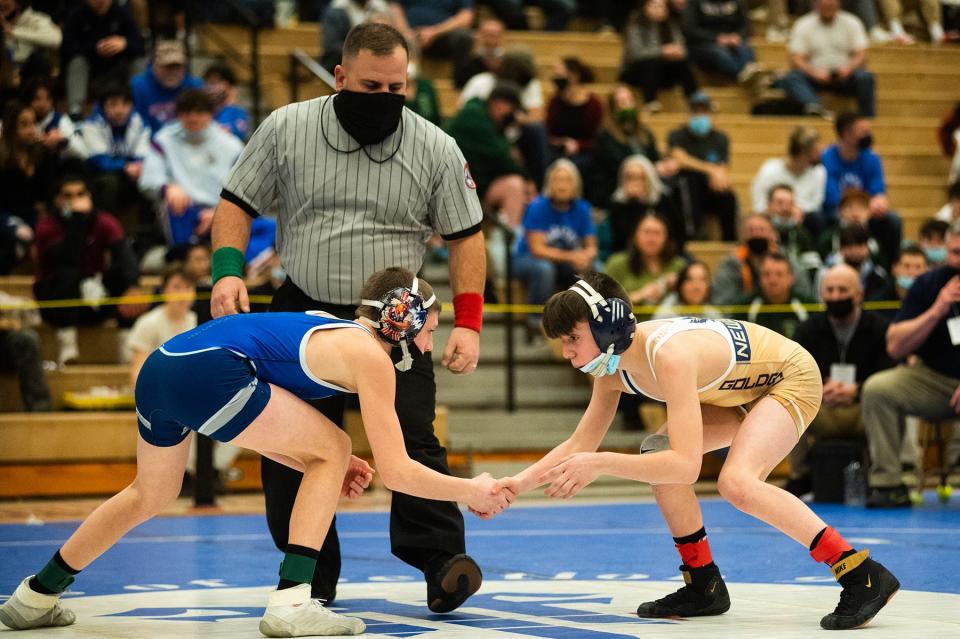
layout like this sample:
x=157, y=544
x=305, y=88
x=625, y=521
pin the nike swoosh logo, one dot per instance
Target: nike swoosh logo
x=868, y=582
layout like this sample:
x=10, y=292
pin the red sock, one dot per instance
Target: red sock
x=694, y=549
x=828, y=546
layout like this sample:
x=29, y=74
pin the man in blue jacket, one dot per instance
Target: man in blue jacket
x=155, y=90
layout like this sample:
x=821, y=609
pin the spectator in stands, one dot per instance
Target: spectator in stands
x=441, y=29
x=855, y=251
x=776, y=288
x=556, y=13
x=16, y=237
x=855, y=210
x=849, y=345
x=648, y=268
x=703, y=155
x=421, y=94
x=20, y=353
x=172, y=317
x=529, y=135
x=100, y=42
x=738, y=275
x=692, y=289
x=115, y=140
x=852, y=164
x=911, y=264
x=57, y=130
x=221, y=85
x=518, y=66
x=929, y=10
x=27, y=169
x=639, y=192
x=479, y=129
x=31, y=34
x=801, y=170
x=186, y=166
x=487, y=52
x=155, y=90
x=930, y=388
x=558, y=241
x=574, y=115
x=950, y=210
x=933, y=241
x=717, y=33
x=655, y=54
x=827, y=49
x=795, y=241
x=338, y=18
x=197, y=268
x=623, y=134
x=82, y=253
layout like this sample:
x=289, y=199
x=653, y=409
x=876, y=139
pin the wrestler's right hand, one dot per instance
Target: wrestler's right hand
x=229, y=296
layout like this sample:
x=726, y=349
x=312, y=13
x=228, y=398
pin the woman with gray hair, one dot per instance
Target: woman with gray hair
x=558, y=238
x=639, y=191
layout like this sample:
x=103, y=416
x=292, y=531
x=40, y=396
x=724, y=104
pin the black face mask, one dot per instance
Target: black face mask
x=854, y=264
x=758, y=245
x=507, y=120
x=840, y=309
x=865, y=142
x=561, y=83
x=368, y=117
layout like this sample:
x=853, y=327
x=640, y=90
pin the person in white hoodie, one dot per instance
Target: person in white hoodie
x=29, y=35
x=115, y=140
x=185, y=168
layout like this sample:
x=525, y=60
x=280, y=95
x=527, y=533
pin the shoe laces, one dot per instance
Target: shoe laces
x=848, y=602
x=683, y=595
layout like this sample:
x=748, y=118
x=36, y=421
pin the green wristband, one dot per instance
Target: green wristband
x=227, y=262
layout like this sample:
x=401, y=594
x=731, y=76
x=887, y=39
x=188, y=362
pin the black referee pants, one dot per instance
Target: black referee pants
x=420, y=529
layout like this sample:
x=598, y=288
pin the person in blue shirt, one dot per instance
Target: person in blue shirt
x=243, y=379
x=928, y=326
x=221, y=84
x=558, y=239
x=155, y=90
x=852, y=164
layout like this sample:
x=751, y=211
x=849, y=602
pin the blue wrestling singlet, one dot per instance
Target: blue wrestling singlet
x=214, y=379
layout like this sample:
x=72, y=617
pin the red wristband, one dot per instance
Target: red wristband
x=468, y=311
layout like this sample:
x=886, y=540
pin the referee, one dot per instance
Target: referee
x=360, y=183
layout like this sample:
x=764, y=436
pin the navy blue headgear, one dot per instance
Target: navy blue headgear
x=611, y=320
x=403, y=313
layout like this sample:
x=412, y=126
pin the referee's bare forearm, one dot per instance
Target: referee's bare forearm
x=231, y=226
x=468, y=264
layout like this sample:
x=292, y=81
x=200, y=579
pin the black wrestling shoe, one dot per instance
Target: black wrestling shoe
x=867, y=587
x=704, y=595
x=894, y=497
x=452, y=583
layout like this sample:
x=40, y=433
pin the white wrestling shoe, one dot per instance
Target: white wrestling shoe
x=292, y=613
x=30, y=609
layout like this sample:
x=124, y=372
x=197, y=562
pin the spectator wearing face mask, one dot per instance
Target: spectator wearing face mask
x=849, y=345
x=221, y=85
x=155, y=90
x=738, y=275
x=574, y=114
x=622, y=135
x=911, y=264
x=703, y=155
x=854, y=208
x=855, y=250
x=933, y=241
x=186, y=167
x=82, y=253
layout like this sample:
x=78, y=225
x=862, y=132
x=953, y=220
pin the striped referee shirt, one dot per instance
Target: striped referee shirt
x=345, y=212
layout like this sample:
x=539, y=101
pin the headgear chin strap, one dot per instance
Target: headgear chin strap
x=612, y=325
x=403, y=313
